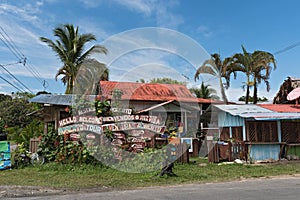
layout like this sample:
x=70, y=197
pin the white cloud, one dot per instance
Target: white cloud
x=26, y=13
x=91, y=3
x=140, y=6
x=205, y=31
x=159, y=10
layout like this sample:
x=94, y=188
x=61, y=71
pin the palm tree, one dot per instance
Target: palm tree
x=253, y=65
x=205, y=92
x=69, y=47
x=221, y=69
x=243, y=63
x=262, y=64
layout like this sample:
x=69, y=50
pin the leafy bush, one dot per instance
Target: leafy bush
x=60, y=148
x=23, y=134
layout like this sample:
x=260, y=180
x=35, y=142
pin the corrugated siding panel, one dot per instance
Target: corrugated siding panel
x=294, y=150
x=264, y=151
x=227, y=120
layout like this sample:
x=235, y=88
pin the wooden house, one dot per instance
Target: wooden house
x=173, y=103
x=266, y=131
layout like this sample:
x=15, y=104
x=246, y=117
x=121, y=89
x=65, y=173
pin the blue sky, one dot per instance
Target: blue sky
x=218, y=26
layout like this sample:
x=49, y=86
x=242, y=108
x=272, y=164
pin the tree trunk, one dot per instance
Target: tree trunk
x=247, y=94
x=255, y=93
x=223, y=91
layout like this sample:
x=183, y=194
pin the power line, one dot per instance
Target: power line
x=287, y=48
x=15, y=78
x=34, y=72
x=11, y=84
x=11, y=45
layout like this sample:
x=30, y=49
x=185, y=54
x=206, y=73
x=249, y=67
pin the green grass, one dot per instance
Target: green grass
x=88, y=176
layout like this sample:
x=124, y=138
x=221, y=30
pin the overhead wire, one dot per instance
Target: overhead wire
x=10, y=44
x=11, y=84
x=15, y=78
x=287, y=48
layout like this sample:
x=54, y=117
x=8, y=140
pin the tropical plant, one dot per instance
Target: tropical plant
x=259, y=99
x=265, y=60
x=205, y=92
x=165, y=81
x=218, y=68
x=69, y=47
x=253, y=65
x=23, y=134
x=15, y=111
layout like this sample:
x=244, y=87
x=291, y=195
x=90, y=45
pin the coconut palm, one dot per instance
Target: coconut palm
x=253, y=65
x=263, y=64
x=69, y=47
x=218, y=68
x=205, y=92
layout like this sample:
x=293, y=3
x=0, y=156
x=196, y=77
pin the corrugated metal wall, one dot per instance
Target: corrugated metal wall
x=264, y=151
x=227, y=120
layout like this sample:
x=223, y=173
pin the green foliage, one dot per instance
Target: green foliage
x=69, y=47
x=221, y=69
x=257, y=68
x=205, y=91
x=4, y=97
x=23, y=134
x=72, y=152
x=166, y=81
x=20, y=156
x=13, y=111
x=49, y=144
x=102, y=108
x=162, y=81
x=2, y=124
x=60, y=148
x=259, y=99
x=69, y=176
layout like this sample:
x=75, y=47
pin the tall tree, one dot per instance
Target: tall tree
x=218, y=68
x=257, y=67
x=69, y=47
x=262, y=70
x=205, y=92
x=166, y=81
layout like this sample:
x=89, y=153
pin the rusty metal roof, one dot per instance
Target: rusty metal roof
x=148, y=91
x=131, y=91
x=281, y=107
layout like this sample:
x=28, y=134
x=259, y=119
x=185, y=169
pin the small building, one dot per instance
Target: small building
x=262, y=132
x=174, y=103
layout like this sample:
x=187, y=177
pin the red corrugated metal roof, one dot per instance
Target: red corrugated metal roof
x=148, y=91
x=281, y=107
x=208, y=101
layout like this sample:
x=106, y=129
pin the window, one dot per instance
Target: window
x=262, y=131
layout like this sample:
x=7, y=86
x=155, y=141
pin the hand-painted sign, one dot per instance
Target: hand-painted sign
x=125, y=126
x=101, y=120
x=79, y=127
x=122, y=110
